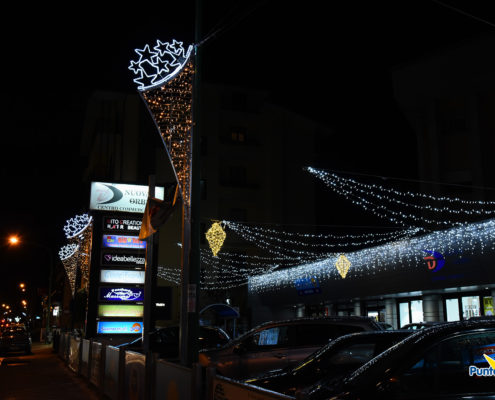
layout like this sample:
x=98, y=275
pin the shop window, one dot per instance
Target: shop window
x=404, y=314
x=470, y=307
x=452, y=307
x=488, y=305
x=416, y=311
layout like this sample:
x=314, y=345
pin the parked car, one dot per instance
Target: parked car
x=444, y=361
x=165, y=341
x=276, y=345
x=15, y=340
x=420, y=325
x=334, y=360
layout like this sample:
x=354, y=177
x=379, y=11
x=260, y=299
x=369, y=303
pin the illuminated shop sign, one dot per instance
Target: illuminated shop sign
x=307, y=286
x=121, y=224
x=123, y=242
x=120, y=197
x=114, y=310
x=121, y=276
x=125, y=259
x=119, y=327
x=121, y=294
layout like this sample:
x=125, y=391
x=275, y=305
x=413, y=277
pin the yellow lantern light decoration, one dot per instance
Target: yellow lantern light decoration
x=342, y=264
x=215, y=236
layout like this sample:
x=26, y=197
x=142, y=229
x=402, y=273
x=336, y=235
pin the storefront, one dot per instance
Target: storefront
x=443, y=276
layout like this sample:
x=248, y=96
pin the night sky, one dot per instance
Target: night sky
x=329, y=61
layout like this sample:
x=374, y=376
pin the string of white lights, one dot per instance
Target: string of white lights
x=314, y=241
x=404, y=254
x=324, y=176
x=368, y=189
x=394, y=216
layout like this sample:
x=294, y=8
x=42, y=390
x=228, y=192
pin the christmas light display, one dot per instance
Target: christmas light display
x=342, y=264
x=215, y=236
x=76, y=255
x=405, y=253
x=76, y=225
x=68, y=256
x=165, y=84
x=379, y=200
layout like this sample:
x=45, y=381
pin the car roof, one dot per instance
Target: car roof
x=360, y=337
x=426, y=334
x=337, y=320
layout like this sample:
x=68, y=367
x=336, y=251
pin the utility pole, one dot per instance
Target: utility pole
x=191, y=231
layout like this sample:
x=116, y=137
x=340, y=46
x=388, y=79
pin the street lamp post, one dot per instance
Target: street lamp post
x=14, y=240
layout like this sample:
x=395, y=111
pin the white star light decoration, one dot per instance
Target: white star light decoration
x=76, y=225
x=160, y=64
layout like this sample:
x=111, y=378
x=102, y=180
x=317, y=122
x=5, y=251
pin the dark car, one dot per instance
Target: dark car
x=445, y=361
x=15, y=340
x=276, y=345
x=419, y=325
x=334, y=360
x=165, y=341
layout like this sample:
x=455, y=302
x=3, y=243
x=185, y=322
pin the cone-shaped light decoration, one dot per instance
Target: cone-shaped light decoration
x=216, y=236
x=164, y=78
x=342, y=264
x=68, y=256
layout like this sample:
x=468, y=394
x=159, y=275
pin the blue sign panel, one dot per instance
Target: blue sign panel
x=119, y=327
x=121, y=294
x=307, y=286
x=123, y=242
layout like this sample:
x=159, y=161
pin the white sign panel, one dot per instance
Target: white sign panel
x=121, y=276
x=120, y=197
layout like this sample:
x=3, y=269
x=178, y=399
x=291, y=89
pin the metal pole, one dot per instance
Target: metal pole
x=148, y=279
x=50, y=278
x=191, y=228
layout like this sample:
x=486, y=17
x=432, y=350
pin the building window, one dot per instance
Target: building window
x=204, y=145
x=203, y=189
x=452, y=308
x=410, y=312
x=237, y=175
x=470, y=307
x=238, y=135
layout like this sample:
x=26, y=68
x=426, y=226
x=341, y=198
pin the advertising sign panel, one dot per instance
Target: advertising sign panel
x=120, y=197
x=119, y=327
x=124, y=225
x=121, y=294
x=124, y=259
x=121, y=276
x=123, y=242
x=119, y=310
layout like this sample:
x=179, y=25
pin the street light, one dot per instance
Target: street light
x=14, y=240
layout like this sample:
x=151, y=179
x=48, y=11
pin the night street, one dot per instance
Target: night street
x=41, y=375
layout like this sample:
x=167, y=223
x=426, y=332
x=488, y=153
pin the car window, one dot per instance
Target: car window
x=357, y=354
x=445, y=367
x=320, y=334
x=278, y=336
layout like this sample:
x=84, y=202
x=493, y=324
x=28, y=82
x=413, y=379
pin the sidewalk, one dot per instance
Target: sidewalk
x=41, y=375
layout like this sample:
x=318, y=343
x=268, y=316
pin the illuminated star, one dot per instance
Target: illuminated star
x=174, y=49
x=145, y=53
x=161, y=65
x=135, y=67
x=161, y=47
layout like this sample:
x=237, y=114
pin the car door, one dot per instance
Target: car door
x=265, y=350
x=445, y=369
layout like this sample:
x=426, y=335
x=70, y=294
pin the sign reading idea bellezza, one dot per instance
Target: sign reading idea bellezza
x=120, y=197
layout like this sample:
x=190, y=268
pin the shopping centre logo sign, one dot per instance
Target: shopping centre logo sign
x=490, y=371
x=435, y=261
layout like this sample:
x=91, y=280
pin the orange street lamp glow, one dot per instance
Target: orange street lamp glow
x=21, y=285
x=13, y=240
